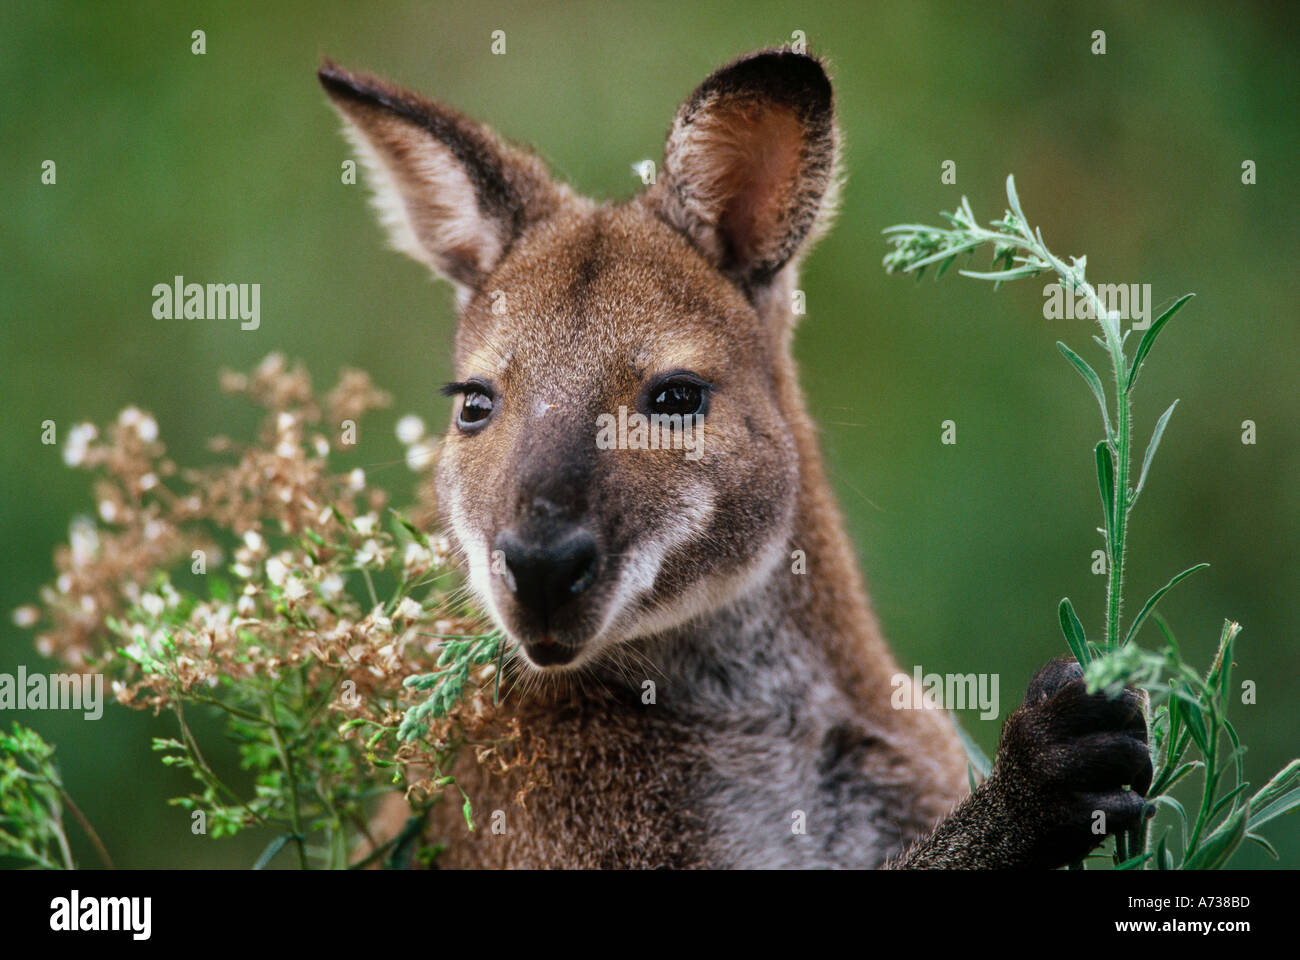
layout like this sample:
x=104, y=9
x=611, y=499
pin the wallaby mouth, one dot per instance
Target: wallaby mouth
x=548, y=578
x=548, y=652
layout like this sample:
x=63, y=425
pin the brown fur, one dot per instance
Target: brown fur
x=772, y=686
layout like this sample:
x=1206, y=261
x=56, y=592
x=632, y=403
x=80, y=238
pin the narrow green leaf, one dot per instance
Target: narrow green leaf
x=1227, y=798
x=1169, y=634
x=1013, y=198
x=1272, y=851
x=1001, y=275
x=1164, y=859
x=979, y=760
x=1151, y=447
x=1106, y=481
x=1195, y=722
x=1181, y=772
x=1073, y=630
x=1134, y=862
x=1221, y=670
x=468, y=812
x=1090, y=377
x=1280, y=783
x=1155, y=598
x=942, y=255
x=1283, y=804
x=1238, y=751
x=1167, y=801
x=272, y=848
x=1222, y=843
x=1149, y=337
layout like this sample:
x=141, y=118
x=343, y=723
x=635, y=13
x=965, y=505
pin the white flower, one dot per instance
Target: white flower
x=410, y=429
x=419, y=456
x=276, y=571
x=145, y=426
x=284, y=422
x=357, y=480
x=107, y=511
x=331, y=586
x=253, y=540
x=370, y=554
x=152, y=604
x=365, y=525
x=409, y=609
x=417, y=559
x=79, y=437
x=148, y=481
x=380, y=622
x=26, y=616
x=84, y=540
x=294, y=590
x=170, y=595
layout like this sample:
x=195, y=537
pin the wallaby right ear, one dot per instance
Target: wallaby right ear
x=750, y=164
x=451, y=193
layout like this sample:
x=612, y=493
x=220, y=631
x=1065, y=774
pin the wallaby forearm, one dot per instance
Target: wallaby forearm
x=966, y=839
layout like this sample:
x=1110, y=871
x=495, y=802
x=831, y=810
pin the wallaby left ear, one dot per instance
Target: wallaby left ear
x=750, y=164
x=452, y=194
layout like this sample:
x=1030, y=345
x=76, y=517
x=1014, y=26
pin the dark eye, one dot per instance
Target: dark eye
x=474, y=409
x=679, y=397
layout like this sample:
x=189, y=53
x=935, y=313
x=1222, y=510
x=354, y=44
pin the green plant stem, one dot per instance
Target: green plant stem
x=201, y=765
x=85, y=825
x=286, y=761
x=1123, y=421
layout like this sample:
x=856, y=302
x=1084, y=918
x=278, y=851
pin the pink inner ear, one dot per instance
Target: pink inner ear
x=759, y=148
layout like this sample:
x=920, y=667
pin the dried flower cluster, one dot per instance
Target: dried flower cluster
x=280, y=589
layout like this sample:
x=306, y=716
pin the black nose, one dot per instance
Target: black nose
x=544, y=575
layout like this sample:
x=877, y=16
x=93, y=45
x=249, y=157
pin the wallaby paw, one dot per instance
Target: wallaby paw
x=1073, y=766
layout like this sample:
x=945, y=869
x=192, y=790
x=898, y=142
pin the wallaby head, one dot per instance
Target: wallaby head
x=575, y=317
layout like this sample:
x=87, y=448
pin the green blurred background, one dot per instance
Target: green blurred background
x=225, y=167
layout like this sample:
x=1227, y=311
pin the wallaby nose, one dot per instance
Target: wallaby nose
x=544, y=575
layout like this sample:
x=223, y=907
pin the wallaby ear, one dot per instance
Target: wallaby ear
x=451, y=193
x=750, y=164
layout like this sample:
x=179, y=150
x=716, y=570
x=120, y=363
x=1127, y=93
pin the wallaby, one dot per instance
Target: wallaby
x=769, y=740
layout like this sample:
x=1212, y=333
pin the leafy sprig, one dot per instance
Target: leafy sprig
x=1188, y=709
